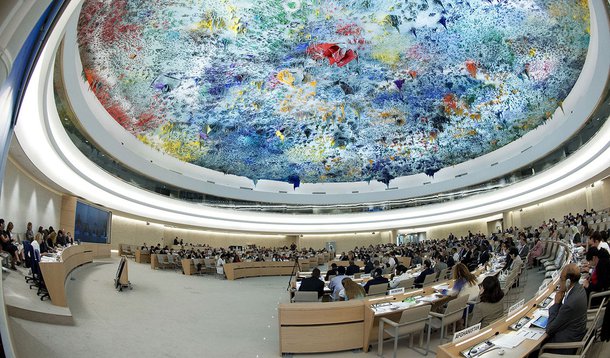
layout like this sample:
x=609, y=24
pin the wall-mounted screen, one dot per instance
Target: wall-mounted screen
x=92, y=224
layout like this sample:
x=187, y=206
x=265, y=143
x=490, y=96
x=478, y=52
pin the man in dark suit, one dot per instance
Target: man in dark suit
x=352, y=268
x=313, y=283
x=568, y=316
x=368, y=266
x=376, y=280
x=428, y=270
x=331, y=272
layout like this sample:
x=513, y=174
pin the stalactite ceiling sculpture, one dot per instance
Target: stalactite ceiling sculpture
x=331, y=91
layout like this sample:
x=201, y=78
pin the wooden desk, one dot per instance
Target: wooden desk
x=154, y=261
x=237, y=270
x=321, y=327
x=142, y=257
x=100, y=251
x=452, y=350
x=55, y=273
x=188, y=266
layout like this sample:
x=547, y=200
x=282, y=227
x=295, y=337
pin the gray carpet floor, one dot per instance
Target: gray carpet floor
x=171, y=315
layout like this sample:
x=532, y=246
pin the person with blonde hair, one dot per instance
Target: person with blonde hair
x=351, y=290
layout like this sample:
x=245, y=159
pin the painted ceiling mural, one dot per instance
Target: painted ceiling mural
x=331, y=91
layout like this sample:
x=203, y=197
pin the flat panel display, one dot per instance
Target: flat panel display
x=92, y=224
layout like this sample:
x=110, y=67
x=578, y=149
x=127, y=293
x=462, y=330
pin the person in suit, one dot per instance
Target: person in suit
x=377, y=279
x=352, y=268
x=368, y=266
x=440, y=264
x=568, y=316
x=428, y=270
x=523, y=247
x=331, y=272
x=313, y=283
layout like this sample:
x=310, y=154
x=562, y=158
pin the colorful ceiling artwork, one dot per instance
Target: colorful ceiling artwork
x=330, y=90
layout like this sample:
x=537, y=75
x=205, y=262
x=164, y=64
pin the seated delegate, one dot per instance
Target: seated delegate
x=313, y=283
x=465, y=283
x=599, y=279
x=568, y=316
x=428, y=270
x=491, y=303
x=401, y=274
x=335, y=284
x=351, y=290
x=377, y=279
x=352, y=269
x=331, y=272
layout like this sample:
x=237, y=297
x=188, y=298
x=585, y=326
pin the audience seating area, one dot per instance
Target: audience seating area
x=415, y=313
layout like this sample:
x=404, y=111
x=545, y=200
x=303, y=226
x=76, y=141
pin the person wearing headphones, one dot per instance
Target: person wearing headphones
x=568, y=316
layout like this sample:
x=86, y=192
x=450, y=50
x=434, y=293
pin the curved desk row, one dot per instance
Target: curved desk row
x=402, y=260
x=307, y=327
x=56, y=272
x=237, y=270
x=501, y=326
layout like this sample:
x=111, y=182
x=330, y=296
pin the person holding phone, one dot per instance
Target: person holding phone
x=568, y=316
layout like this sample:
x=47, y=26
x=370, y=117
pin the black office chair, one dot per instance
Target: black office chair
x=28, y=252
x=36, y=278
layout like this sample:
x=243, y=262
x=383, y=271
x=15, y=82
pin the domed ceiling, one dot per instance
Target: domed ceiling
x=331, y=91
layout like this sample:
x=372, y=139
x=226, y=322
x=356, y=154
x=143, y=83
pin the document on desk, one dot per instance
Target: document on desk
x=531, y=333
x=391, y=307
x=508, y=340
x=428, y=298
